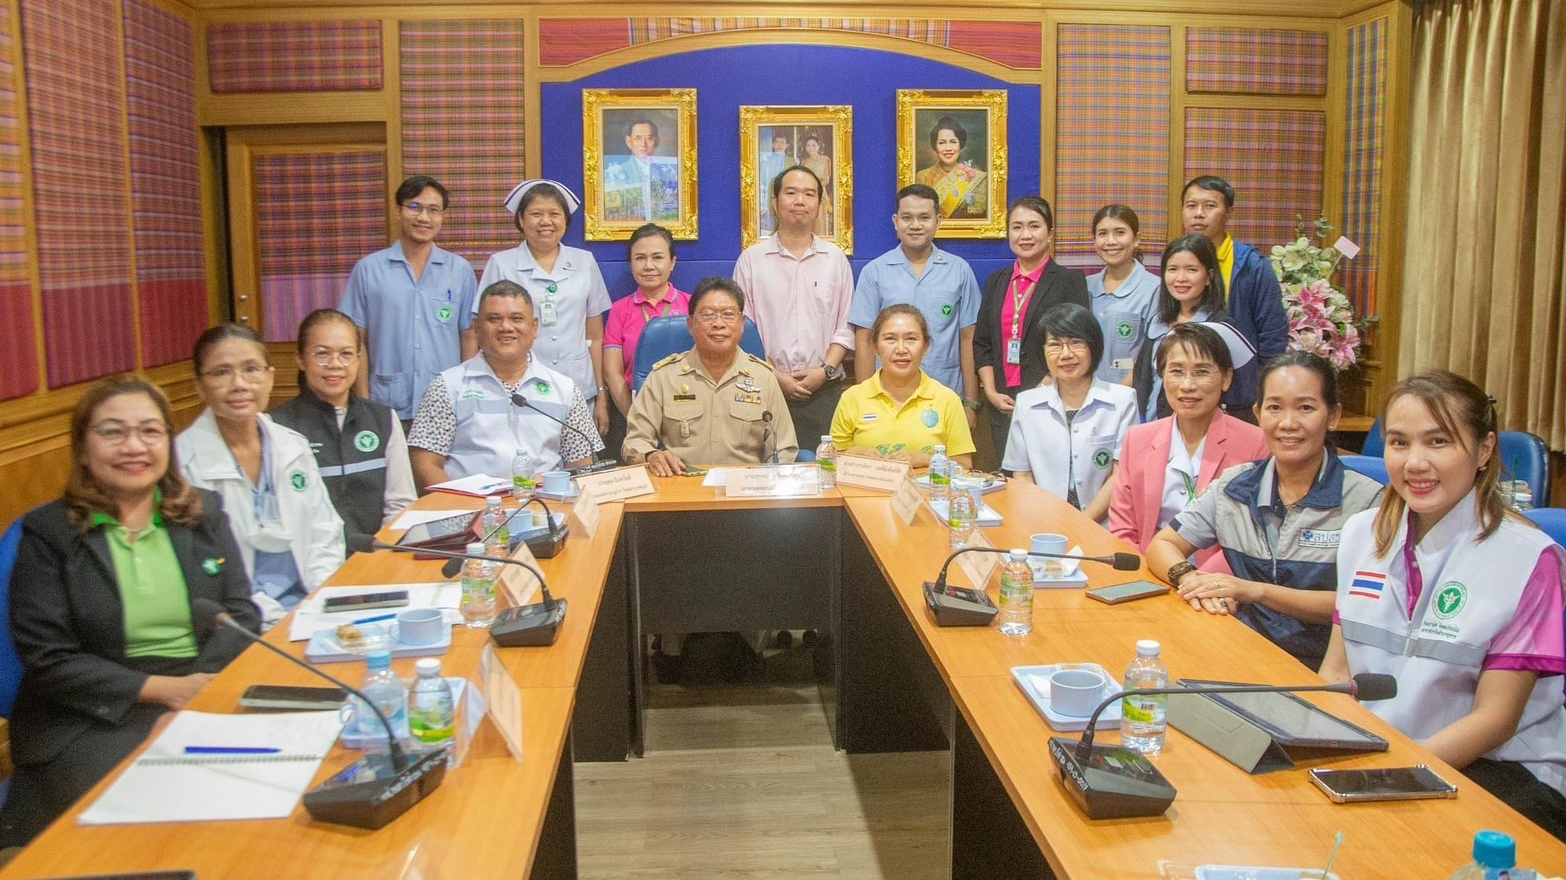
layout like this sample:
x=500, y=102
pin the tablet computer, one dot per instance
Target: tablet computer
x=1291, y=721
x=458, y=531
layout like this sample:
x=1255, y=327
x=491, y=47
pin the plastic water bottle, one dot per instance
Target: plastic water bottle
x=478, y=590
x=432, y=712
x=524, y=480
x=1016, y=595
x=496, y=528
x=1144, y=720
x=961, y=515
x=826, y=463
x=940, y=475
x=1494, y=852
x=384, y=689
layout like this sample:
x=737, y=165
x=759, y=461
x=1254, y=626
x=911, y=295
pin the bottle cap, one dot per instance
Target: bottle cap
x=1147, y=648
x=427, y=667
x=1018, y=555
x=380, y=658
x=826, y=438
x=939, y=449
x=1492, y=849
x=476, y=548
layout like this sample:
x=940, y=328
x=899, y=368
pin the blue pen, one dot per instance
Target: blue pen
x=448, y=294
x=231, y=750
x=376, y=619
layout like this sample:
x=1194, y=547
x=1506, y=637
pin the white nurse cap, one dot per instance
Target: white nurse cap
x=1240, y=349
x=514, y=200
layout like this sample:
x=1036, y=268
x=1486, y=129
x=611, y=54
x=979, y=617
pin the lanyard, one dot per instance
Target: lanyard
x=646, y=318
x=1019, y=299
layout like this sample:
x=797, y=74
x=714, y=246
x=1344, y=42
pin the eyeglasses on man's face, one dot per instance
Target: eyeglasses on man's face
x=728, y=316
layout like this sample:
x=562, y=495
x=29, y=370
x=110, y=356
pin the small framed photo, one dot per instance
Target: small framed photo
x=775, y=139
x=638, y=161
x=955, y=142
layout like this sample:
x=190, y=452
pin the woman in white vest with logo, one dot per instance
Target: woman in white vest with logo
x=1460, y=600
x=277, y=506
x=475, y=416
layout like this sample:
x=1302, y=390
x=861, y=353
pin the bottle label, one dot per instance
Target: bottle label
x=1144, y=710
x=524, y=481
x=827, y=464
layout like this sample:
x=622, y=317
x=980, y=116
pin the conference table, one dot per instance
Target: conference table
x=890, y=680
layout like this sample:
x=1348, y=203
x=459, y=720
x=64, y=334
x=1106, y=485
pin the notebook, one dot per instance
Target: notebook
x=166, y=785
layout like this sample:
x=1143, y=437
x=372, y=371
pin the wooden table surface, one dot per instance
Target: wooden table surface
x=486, y=819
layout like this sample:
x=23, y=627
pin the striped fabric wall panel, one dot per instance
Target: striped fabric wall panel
x=76, y=121
x=324, y=212
x=1274, y=160
x=1363, y=158
x=165, y=169
x=18, y=357
x=1015, y=44
x=1257, y=61
x=294, y=56
x=462, y=124
x=1112, y=131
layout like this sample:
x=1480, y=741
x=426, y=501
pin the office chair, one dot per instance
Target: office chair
x=665, y=336
x=1369, y=465
x=1524, y=456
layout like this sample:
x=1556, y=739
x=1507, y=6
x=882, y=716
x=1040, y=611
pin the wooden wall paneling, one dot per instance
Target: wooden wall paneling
x=29, y=221
x=1277, y=8
x=1049, y=112
x=391, y=96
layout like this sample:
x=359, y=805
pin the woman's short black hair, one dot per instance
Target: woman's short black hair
x=1071, y=321
x=1305, y=360
x=1198, y=338
x=949, y=123
x=647, y=230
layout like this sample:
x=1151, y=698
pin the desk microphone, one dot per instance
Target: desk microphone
x=766, y=431
x=957, y=606
x=545, y=547
x=340, y=800
x=522, y=626
x=1114, y=782
x=598, y=464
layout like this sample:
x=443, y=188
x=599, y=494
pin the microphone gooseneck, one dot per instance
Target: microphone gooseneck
x=521, y=402
x=1120, y=561
x=368, y=544
x=766, y=432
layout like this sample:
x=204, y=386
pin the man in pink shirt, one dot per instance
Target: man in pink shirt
x=651, y=254
x=798, y=288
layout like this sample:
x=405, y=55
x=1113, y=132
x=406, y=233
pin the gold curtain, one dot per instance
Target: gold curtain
x=1486, y=246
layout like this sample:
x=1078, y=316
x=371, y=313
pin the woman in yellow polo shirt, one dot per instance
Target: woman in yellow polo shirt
x=900, y=412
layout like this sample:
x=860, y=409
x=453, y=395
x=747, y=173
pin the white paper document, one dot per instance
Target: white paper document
x=477, y=485
x=310, y=618
x=167, y=785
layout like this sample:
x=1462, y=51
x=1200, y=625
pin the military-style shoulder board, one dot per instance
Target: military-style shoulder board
x=671, y=359
x=756, y=360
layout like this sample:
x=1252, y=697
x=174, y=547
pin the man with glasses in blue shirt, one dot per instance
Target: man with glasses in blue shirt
x=412, y=303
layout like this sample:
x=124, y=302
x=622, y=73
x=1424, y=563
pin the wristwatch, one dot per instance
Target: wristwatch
x=1179, y=570
x=834, y=372
x=971, y=404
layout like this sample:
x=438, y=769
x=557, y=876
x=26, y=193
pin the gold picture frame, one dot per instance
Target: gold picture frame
x=797, y=127
x=973, y=185
x=631, y=174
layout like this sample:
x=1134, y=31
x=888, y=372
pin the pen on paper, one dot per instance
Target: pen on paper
x=376, y=619
x=231, y=750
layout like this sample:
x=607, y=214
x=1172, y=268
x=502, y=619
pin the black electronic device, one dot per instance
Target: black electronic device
x=957, y=606
x=304, y=699
x=398, y=783
x=533, y=625
x=1113, y=782
x=1383, y=784
x=137, y=875
x=545, y=543
x=1290, y=721
x=456, y=531
x=1127, y=592
x=367, y=601
x=599, y=464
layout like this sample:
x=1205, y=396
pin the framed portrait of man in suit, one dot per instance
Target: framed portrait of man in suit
x=639, y=161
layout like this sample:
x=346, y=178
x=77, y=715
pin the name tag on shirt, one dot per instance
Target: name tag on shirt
x=547, y=313
x=1014, y=351
x=1122, y=363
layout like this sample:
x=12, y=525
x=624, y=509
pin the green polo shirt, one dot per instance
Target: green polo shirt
x=152, y=590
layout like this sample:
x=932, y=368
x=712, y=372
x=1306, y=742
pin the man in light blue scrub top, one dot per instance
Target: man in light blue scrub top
x=413, y=304
x=938, y=284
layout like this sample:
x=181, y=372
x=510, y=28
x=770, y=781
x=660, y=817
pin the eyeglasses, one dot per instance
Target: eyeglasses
x=1200, y=375
x=725, y=317
x=1056, y=346
x=415, y=208
x=251, y=373
x=117, y=433
x=325, y=357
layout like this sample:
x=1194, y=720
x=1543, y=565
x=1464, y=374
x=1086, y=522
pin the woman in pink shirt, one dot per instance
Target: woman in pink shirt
x=651, y=251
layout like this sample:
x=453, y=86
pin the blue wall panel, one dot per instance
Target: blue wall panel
x=726, y=79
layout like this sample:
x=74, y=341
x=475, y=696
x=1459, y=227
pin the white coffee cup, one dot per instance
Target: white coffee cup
x=420, y=626
x=557, y=482
x=1075, y=692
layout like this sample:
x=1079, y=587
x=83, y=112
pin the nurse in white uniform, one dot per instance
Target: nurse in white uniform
x=566, y=287
x=1460, y=599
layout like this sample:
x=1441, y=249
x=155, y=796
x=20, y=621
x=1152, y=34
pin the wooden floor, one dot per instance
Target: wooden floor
x=741, y=781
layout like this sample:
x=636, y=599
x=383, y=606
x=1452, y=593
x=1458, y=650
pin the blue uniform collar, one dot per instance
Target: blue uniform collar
x=398, y=255
x=1254, y=487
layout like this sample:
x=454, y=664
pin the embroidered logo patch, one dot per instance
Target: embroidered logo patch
x=1124, y=330
x=1319, y=538
x=444, y=314
x=212, y=566
x=366, y=441
x=890, y=449
x=1450, y=599
x=1102, y=459
x=929, y=418
x=946, y=310
x=1368, y=584
x=298, y=480
x=472, y=394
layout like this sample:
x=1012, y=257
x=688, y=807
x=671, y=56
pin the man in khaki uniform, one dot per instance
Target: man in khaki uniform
x=714, y=404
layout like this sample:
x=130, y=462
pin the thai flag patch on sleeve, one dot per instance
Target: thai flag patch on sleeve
x=1368, y=584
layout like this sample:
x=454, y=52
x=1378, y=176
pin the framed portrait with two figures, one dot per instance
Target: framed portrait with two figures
x=775, y=139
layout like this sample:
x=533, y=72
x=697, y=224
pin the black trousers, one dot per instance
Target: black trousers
x=1523, y=792
x=813, y=418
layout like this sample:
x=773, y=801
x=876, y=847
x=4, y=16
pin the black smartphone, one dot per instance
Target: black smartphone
x=139, y=875
x=1386, y=784
x=366, y=601
x=276, y=696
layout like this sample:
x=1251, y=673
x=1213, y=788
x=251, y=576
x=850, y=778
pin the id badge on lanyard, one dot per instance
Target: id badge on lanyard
x=548, y=312
x=1014, y=342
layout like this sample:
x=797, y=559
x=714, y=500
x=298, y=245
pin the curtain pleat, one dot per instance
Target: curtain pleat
x=1486, y=246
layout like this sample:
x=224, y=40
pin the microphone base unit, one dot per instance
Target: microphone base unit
x=959, y=606
x=370, y=793
x=548, y=546
x=1110, y=782
x=607, y=464
x=529, y=626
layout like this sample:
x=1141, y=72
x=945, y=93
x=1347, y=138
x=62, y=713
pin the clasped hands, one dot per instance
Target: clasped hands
x=800, y=384
x=1218, y=593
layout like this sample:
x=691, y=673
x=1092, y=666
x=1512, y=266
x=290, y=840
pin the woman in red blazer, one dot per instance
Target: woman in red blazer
x=1166, y=462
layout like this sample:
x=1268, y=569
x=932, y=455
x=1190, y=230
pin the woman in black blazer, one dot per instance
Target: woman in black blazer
x=1036, y=282
x=101, y=603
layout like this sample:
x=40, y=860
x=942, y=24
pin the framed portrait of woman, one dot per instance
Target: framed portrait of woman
x=775, y=139
x=639, y=161
x=955, y=141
